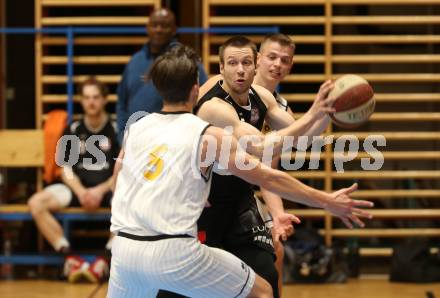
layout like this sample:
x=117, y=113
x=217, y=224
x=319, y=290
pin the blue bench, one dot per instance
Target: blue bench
x=66, y=216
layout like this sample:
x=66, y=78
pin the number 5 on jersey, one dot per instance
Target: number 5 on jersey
x=155, y=163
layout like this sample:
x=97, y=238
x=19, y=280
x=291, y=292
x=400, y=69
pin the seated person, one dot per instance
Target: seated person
x=87, y=183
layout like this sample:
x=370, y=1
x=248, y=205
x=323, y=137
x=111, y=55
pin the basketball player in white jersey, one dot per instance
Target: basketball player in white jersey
x=162, y=183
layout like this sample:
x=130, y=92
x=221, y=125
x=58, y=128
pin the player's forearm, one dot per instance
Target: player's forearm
x=273, y=202
x=295, y=130
x=293, y=190
x=316, y=130
x=279, y=183
x=273, y=180
x=106, y=185
x=71, y=180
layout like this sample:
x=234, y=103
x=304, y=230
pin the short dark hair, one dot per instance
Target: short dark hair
x=92, y=80
x=175, y=72
x=238, y=42
x=282, y=39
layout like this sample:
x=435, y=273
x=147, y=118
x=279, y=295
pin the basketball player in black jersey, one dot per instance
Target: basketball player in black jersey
x=274, y=62
x=232, y=221
x=236, y=224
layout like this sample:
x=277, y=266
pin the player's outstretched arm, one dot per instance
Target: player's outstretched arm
x=338, y=203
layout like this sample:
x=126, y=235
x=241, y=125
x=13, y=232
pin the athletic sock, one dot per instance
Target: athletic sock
x=62, y=245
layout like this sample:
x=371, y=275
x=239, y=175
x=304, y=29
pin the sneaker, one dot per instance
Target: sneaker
x=98, y=271
x=74, y=266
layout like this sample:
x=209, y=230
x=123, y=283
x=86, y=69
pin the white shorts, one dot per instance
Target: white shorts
x=180, y=265
x=61, y=192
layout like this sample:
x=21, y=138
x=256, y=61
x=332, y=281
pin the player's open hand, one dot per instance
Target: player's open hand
x=347, y=209
x=282, y=226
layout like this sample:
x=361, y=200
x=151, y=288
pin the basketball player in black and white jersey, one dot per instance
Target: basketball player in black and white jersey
x=231, y=223
x=274, y=62
x=163, y=177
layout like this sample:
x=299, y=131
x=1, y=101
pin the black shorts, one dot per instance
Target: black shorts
x=67, y=198
x=230, y=225
x=106, y=200
x=239, y=229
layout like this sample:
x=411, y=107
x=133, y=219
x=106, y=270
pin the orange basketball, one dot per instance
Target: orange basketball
x=354, y=101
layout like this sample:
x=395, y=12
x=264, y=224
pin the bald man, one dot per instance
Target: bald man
x=134, y=94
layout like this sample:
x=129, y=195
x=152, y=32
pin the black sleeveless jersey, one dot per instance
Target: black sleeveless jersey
x=226, y=188
x=92, y=173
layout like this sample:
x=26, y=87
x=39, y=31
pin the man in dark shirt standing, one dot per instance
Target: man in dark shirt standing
x=134, y=94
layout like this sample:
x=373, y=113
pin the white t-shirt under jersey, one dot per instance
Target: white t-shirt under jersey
x=160, y=189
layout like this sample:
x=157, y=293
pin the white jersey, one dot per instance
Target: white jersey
x=160, y=189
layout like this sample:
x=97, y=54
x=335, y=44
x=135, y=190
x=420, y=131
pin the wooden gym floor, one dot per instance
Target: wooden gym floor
x=364, y=288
